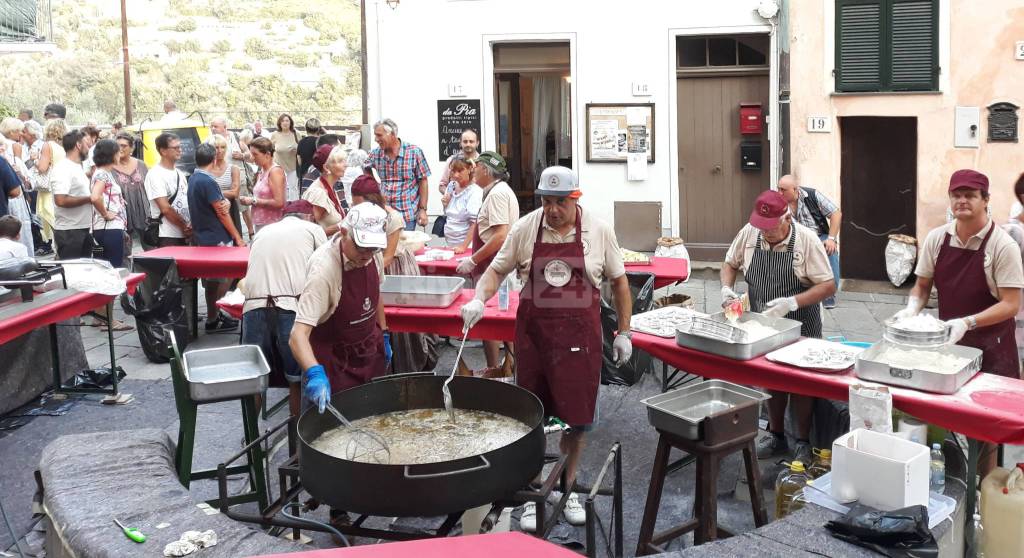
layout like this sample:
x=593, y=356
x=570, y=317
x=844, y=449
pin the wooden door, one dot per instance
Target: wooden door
x=879, y=163
x=715, y=194
x=506, y=92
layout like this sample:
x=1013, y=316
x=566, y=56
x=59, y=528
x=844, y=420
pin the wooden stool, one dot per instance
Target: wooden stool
x=187, y=411
x=704, y=523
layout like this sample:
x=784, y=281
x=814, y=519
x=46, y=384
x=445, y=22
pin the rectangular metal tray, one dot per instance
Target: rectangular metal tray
x=789, y=331
x=225, y=372
x=682, y=411
x=421, y=291
x=867, y=368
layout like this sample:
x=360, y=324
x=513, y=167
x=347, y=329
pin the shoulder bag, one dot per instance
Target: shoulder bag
x=151, y=236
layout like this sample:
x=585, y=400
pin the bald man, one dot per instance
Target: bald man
x=813, y=210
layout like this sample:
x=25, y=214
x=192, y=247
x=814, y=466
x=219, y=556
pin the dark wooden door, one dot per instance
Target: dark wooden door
x=506, y=92
x=879, y=190
x=715, y=194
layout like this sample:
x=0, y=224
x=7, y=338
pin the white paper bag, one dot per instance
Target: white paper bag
x=900, y=255
x=870, y=408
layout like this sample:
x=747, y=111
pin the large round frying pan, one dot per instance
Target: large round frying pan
x=428, y=489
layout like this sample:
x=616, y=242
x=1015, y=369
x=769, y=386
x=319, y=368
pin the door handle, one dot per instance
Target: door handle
x=716, y=169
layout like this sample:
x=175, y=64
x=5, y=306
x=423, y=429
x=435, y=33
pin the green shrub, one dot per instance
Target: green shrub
x=222, y=46
x=300, y=59
x=186, y=25
x=257, y=49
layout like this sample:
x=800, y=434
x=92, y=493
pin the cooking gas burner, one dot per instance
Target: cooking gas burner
x=31, y=279
x=283, y=513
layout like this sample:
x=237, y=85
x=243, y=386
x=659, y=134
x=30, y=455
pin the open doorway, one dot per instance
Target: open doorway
x=532, y=85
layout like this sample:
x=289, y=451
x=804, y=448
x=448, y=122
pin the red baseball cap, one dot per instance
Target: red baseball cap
x=967, y=178
x=769, y=208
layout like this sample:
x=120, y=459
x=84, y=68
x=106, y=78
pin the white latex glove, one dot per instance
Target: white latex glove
x=958, y=328
x=728, y=295
x=466, y=266
x=472, y=311
x=914, y=306
x=779, y=307
x=622, y=349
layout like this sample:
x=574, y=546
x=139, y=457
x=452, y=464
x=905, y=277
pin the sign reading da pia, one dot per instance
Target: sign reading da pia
x=453, y=117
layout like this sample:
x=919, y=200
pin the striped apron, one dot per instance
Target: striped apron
x=770, y=275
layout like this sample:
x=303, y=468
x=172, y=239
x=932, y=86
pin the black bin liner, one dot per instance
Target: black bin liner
x=901, y=533
x=641, y=287
x=158, y=303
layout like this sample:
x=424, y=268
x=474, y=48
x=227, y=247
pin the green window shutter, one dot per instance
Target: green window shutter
x=859, y=45
x=915, y=45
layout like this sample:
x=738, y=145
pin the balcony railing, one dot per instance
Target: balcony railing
x=25, y=22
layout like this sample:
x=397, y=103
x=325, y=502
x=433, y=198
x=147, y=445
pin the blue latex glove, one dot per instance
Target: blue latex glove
x=387, y=348
x=318, y=387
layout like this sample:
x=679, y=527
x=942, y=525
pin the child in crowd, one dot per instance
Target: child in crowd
x=10, y=235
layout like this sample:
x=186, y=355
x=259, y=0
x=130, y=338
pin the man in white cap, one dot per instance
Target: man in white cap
x=339, y=321
x=563, y=253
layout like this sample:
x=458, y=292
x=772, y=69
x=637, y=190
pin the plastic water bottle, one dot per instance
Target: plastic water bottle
x=938, y=470
x=979, y=537
x=503, y=295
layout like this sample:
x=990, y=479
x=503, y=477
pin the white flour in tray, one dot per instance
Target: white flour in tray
x=756, y=331
x=917, y=359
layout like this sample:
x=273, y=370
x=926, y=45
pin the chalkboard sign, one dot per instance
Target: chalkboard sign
x=454, y=116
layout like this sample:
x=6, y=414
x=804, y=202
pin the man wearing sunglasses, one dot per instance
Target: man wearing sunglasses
x=339, y=323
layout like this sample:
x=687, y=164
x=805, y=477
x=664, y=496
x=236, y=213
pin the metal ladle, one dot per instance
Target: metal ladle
x=444, y=390
x=362, y=443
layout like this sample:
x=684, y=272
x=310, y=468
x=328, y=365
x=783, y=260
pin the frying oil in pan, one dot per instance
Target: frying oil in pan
x=420, y=436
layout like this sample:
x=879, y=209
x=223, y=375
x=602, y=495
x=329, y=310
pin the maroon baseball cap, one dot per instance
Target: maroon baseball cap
x=321, y=155
x=769, y=208
x=967, y=178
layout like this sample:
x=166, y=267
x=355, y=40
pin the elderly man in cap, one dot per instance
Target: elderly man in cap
x=563, y=253
x=976, y=268
x=498, y=211
x=788, y=275
x=339, y=321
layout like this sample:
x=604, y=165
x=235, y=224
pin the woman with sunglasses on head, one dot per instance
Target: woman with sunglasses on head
x=130, y=174
x=268, y=194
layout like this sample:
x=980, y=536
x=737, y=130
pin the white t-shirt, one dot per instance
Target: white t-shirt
x=68, y=178
x=162, y=183
x=12, y=249
x=461, y=213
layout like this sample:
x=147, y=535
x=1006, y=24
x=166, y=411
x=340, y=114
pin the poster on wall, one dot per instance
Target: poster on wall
x=454, y=116
x=614, y=131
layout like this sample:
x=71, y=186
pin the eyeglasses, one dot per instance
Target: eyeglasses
x=124, y=145
x=174, y=147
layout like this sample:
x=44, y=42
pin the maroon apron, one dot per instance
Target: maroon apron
x=963, y=291
x=558, y=331
x=478, y=243
x=350, y=344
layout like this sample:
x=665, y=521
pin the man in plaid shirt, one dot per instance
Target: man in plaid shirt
x=403, y=173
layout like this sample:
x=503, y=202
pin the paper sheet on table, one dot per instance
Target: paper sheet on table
x=435, y=254
x=93, y=276
x=636, y=166
x=233, y=298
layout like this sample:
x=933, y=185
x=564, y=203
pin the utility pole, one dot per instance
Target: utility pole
x=362, y=59
x=127, y=69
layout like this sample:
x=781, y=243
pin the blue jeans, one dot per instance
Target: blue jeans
x=411, y=225
x=269, y=329
x=833, y=260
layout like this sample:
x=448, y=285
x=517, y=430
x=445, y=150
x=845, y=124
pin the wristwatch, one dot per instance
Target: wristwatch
x=627, y=334
x=833, y=239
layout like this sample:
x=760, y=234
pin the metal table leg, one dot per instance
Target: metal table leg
x=58, y=386
x=973, y=452
x=195, y=307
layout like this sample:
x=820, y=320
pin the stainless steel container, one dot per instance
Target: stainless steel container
x=912, y=338
x=788, y=331
x=869, y=367
x=688, y=412
x=421, y=291
x=225, y=372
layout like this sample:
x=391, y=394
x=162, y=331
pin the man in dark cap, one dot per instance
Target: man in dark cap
x=976, y=268
x=788, y=275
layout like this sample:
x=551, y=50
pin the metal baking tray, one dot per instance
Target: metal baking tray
x=421, y=291
x=788, y=331
x=868, y=368
x=682, y=411
x=225, y=372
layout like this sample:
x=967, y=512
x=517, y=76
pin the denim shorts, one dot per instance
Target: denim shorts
x=269, y=329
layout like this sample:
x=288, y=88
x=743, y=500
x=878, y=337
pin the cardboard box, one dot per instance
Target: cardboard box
x=880, y=470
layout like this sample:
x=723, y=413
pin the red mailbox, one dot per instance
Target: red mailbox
x=751, y=119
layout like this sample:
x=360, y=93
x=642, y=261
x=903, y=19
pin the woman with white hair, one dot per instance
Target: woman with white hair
x=32, y=142
x=355, y=163
x=327, y=210
x=227, y=176
x=10, y=132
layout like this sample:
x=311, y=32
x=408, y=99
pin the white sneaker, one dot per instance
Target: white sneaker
x=528, y=521
x=574, y=512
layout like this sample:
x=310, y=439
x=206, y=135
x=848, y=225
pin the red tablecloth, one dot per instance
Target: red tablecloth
x=496, y=325
x=667, y=271
x=493, y=545
x=206, y=262
x=988, y=408
x=58, y=310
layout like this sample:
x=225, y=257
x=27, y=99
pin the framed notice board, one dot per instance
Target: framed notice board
x=454, y=116
x=614, y=130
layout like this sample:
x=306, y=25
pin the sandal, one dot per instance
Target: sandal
x=118, y=325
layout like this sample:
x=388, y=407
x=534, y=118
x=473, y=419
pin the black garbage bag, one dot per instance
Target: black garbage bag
x=641, y=286
x=158, y=303
x=901, y=533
